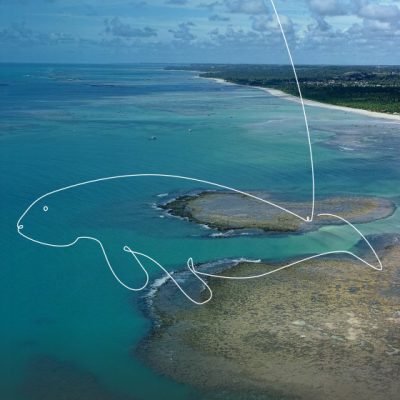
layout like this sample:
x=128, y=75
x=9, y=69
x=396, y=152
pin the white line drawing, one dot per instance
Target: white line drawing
x=45, y=208
x=303, y=107
x=190, y=264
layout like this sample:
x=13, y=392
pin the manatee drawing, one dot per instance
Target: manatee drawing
x=43, y=206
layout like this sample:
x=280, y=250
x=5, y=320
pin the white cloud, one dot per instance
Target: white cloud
x=380, y=12
x=118, y=28
x=245, y=6
x=329, y=7
x=183, y=32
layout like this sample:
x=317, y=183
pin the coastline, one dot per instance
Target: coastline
x=313, y=103
x=219, y=348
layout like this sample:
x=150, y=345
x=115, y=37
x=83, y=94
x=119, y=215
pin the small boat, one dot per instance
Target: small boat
x=153, y=138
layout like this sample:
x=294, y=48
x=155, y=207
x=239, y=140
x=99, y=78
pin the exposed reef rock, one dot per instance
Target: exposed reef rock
x=226, y=211
x=326, y=329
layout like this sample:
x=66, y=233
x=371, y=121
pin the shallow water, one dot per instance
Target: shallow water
x=65, y=124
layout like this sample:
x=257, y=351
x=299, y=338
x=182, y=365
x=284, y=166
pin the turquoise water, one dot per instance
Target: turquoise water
x=65, y=124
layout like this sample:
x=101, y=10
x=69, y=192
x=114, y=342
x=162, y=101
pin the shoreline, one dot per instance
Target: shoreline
x=312, y=103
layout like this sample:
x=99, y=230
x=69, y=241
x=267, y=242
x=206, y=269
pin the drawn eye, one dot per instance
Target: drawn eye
x=45, y=208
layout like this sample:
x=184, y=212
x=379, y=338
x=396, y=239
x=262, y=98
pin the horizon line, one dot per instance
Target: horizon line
x=190, y=63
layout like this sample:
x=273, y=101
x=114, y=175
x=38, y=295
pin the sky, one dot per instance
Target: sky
x=199, y=31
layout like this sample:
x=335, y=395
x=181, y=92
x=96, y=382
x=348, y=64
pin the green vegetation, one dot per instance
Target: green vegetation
x=374, y=88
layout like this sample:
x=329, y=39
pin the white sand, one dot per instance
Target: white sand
x=312, y=103
x=222, y=81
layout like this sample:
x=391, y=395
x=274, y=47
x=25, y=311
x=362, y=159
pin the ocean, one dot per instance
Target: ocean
x=68, y=329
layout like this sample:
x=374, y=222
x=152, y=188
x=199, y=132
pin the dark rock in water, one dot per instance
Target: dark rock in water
x=48, y=378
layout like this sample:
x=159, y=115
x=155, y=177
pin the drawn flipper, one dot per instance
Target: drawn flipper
x=377, y=267
x=190, y=266
x=112, y=266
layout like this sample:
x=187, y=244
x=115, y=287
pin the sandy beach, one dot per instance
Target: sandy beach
x=312, y=103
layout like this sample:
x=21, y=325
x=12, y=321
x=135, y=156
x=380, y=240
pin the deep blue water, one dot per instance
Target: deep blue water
x=63, y=124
